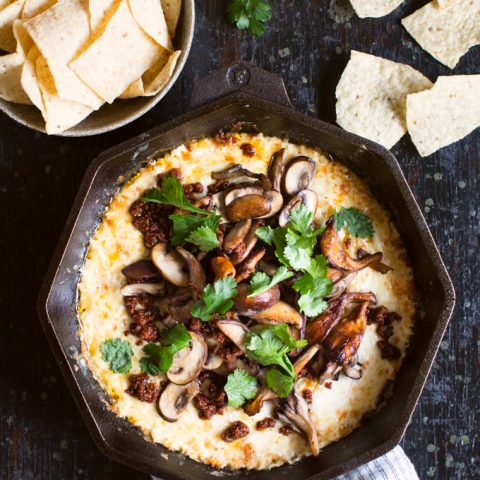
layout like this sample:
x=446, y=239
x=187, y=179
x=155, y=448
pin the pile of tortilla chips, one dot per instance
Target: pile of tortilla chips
x=69, y=57
x=381, y=100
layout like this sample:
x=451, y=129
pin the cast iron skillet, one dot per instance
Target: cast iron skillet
x=245, y=93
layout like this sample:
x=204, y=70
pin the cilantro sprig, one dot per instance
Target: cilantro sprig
x=160, y=357
x=261, y=282
x=240, y=387
x=118, y=354
x=294, y=247
x=269, y=347
x=250, y=15
x=357, y=223
x=217, y=298
x=199, y=229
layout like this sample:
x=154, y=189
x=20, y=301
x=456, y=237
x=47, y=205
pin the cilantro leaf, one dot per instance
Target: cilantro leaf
x=172, y=193
x=311, y=304
x=204, y=238
x=217, y=297
x=160, y=357
x=357, y=223
x=275, y=237
x=118, y=354
x=298, y=250
x=240, y=387
x=249, y=14
x=270, y=346
x=301, y=219
x=279, y=382
x=261, y=282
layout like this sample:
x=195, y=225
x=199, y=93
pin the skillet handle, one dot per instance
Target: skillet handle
x=240, y=77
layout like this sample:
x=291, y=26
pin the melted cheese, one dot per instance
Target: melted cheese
x=336, y=411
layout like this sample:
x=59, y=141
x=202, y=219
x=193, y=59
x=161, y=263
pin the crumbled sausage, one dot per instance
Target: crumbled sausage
x=224, y=137
x=152, y=220
x=229, y=353
x=190, y=189
x=383, y=320
x=267, y=422
x=148, y=332
x=308, y=395
x=173, y=172
x=144, y=314
x=142, y=388
x=248, y=149
x=328, y=385
x=286, y=430
x=235, y=431
x=207, y=407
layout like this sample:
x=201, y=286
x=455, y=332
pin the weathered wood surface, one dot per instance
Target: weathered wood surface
x=41, y=433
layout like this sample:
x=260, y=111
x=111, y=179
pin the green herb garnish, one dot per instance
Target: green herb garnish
x=261, y=282
x=160, y=357
x=199, y=229
x=118, y=354
x=357, y=223
x=250, y=15
x=240, y=387
x=217, y=298
x=279, y=382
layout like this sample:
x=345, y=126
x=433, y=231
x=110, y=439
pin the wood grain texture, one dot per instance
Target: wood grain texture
x=307, y=42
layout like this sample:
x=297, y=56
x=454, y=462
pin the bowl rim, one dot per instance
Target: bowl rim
x=72, y=132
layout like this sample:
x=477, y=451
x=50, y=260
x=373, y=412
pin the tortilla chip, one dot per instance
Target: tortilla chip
x=444, y=114
x=118, y=57
x=10, y=74
x=135, y=89
x=59, y=33
x=446, y=33
x=7, y=16
x=160, y=80
x=150, y=18
x=171, y=10
x=29, y=79
x=97, y=11
x=374, y=8
x=35, y=7
x=59, y=115
x=371, y=97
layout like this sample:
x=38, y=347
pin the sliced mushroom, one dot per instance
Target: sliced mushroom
x=142, y=271
x=140, y=288
x=188, y=362
x=338, y=257
x=249, y=265
x=195, y=269
x=318, y=329
x=174, y=400
x=242, y=191
x=213, y=362
x=344, y=340
x=251, y=306
x=276, y=168
x=353, y=371
x=251, y=369
x=295, y=408
x=244, y=249
x=252, y=202
x=254, y=406
x=341, y=285
x=331, y=372
x=171, y=265
x=222, y=267
x=236, y=235
x=302, y=361
x=235, y=331
x=298, y=175
x=238, y=173
x=306, y=197
x=276, y=202
x=281, y=312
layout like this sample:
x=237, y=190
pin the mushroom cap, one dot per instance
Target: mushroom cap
x=141, y=288
x=298, y=175
x=276, y=168
x=280, y=312
x=236, y=235
x=251, y=202
x=171, y=265
x=142, y=271
x=188, y=362
x=174, y=399
x=251, y=306
x=306, y=197
x=235, y=331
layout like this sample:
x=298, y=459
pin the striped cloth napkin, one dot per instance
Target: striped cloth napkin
x=394, y=465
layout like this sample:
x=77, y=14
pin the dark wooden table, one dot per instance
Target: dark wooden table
x=308, y=44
